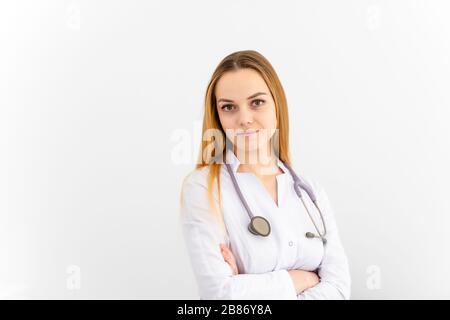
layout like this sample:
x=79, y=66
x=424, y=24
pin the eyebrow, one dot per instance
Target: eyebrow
x=252, y=96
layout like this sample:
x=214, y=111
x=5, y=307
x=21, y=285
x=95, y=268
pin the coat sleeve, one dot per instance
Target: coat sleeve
x=335, y=281
x=215, y=279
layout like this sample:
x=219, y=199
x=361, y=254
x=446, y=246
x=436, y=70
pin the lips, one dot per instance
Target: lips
x=247, y=133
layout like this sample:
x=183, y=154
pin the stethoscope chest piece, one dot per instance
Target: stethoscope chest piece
x=259, y=226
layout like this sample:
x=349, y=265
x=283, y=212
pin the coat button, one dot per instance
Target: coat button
x=291, y=243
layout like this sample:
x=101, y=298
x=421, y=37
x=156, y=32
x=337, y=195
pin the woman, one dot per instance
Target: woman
x=246, y=110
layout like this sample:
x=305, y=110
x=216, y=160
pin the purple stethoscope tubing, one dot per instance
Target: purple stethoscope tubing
x=260, y=226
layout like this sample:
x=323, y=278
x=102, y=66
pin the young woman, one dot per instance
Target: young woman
x=254, y=229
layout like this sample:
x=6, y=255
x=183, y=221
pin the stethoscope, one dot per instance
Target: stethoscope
x=260, y=226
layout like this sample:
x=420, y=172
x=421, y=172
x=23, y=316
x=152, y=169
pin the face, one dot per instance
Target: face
x=245, y=104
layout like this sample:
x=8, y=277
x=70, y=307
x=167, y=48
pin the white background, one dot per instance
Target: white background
x=100, y=116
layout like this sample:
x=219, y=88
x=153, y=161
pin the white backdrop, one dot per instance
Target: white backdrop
x=100, y=116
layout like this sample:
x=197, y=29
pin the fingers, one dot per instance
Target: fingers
x=229, y=257
x=225, y=251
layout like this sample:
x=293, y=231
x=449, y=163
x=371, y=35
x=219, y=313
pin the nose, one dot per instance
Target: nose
x=245, y=118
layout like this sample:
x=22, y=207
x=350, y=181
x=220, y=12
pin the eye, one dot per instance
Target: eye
x=225, y=106
x=260, y=100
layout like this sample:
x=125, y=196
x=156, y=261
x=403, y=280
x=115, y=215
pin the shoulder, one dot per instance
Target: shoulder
x=194, y=187
x=311, y=182
x=323, y=201
x=195, y=205
x=196, y=178
x=305, y=177
x=316, y=187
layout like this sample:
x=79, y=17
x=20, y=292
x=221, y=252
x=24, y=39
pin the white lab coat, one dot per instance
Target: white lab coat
x=263, y=262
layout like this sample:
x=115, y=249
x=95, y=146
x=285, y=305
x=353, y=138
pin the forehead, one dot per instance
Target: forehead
x=240, y=84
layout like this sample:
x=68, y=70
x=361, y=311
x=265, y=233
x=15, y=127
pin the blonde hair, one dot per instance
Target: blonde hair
x=235, y=61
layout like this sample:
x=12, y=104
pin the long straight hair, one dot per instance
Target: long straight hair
x=235, y=61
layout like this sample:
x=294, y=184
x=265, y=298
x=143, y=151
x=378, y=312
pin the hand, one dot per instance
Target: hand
x=229, y=258
x=303, y=279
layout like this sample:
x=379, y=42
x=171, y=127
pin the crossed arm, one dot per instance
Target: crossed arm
x=302, y=279
x=218, y=277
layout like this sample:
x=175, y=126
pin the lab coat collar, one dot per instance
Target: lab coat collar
x=234, y=162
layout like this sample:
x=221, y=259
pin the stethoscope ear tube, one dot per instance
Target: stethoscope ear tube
x=311, y=235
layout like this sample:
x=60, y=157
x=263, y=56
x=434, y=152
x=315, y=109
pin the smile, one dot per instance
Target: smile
x=247, y=133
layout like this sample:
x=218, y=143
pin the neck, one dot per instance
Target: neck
x=257, y=161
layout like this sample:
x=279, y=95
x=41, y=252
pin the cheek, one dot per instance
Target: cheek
x=226, y=121
x=269, y=118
